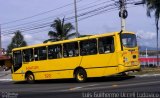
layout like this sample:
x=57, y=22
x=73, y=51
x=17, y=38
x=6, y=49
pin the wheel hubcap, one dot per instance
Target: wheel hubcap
x=80, y=77
x=30, y=77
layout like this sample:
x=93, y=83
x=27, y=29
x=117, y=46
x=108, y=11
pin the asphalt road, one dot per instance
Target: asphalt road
x=108, y=87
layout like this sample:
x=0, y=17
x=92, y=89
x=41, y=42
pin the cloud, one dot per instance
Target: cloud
x=6, y=40
x=28, y=37
x=146, y=38
x=37, y=42
x=146, y=35
x=35, y=38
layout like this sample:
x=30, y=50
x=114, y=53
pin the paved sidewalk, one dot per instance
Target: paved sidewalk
x=5, y=75
x=1, y=68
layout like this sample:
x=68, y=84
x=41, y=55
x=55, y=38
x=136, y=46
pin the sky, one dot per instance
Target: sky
x=32, y=13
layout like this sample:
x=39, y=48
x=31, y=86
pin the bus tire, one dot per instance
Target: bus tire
x=124, y=74
x=80, y=75
x=30, y=78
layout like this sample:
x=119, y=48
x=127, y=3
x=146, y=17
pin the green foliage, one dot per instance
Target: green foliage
x=49, y=40
x=84, y=36
x=61, y=30
x=17, y=41
x=154, y=6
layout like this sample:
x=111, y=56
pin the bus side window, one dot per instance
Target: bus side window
x=36, y=54
x=106, y=45
x=28, y=55
x=54, y=52
x=88, y=47
x=40, y=53
x=70, y=49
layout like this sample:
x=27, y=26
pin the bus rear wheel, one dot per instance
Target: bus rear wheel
x=30, y=78
x=80, y=75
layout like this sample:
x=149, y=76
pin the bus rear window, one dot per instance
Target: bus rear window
x=129, y=40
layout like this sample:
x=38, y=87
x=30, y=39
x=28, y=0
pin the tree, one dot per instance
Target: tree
x=17, y=41
x=154, y=6
x=61, y=30
x=84, y=36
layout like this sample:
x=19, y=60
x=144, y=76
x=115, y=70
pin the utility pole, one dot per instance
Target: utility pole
x=0, y=42
x=0, y=38
x=123, y=14
x=76, y=20
x=146, y=53
x=157, y=30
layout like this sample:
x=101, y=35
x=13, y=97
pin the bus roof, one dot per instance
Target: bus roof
x=70, y=40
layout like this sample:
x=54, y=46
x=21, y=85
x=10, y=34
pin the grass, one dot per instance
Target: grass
x=147, y=70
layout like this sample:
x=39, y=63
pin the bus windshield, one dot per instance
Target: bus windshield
x=129, y=40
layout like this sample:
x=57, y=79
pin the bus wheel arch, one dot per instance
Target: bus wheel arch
x=29, y=77
x=80, y=74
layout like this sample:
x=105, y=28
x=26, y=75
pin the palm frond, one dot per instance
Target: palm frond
x=61, y=29
x=52, y=34
x=68, y=27
x=70, y=35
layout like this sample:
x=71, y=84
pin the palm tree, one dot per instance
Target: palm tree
x=61, y=30
x=154, y=6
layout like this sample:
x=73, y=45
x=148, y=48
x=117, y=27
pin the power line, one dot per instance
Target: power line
x=42, y=13
x=39, y=31
x=69, y=18
x=47, y=24
x=0, y=39
x=79, y=10
x=101, y=12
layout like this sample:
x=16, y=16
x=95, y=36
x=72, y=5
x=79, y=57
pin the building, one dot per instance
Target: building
x=149, y=61
x=5, y=60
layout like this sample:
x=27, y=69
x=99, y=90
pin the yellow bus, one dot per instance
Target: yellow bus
x=80, y=58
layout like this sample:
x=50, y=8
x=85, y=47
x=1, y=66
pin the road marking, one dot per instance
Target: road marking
x=5, y=79
x=147, y=75
x=114, y=85
x=75, y=88
x=105, y=87
x=80, y=87
x=84, y=88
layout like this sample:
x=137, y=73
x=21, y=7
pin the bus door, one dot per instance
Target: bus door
x=17, y=60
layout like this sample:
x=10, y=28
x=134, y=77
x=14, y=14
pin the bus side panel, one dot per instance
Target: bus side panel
x=54, y=75
x=111, y=61
x=92, y=65
x=56, y=68
x=100, y=65
x=18, y=77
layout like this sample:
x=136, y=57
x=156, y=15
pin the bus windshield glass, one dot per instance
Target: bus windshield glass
x=129, y=40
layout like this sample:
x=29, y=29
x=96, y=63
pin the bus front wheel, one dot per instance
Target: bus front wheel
x=30, y=78
x=80, y=75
